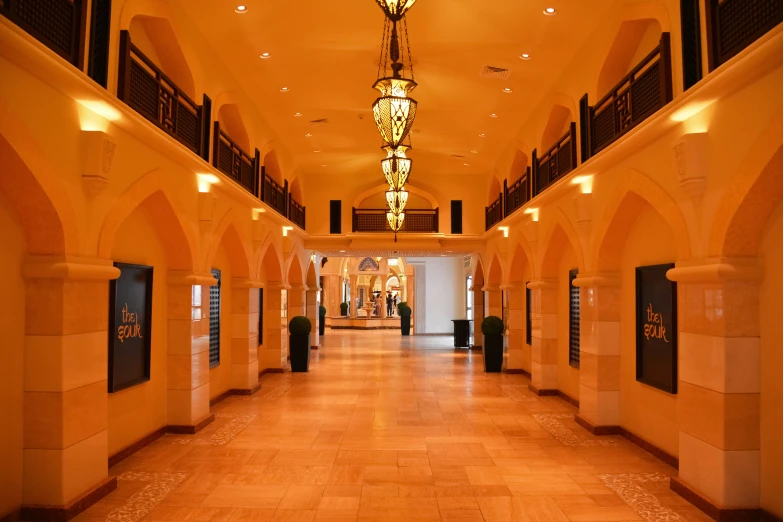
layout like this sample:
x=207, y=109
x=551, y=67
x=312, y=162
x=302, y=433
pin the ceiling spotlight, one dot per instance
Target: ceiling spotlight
x=308, y=135
x=482, y=135
x=507, y=90
x=466, y=164
x=549, y=11
x=316, y=151
x=241, y=9
x=284, y=89
x=524, y=56
x=324, y=165
x=493, y=115
x=474, y=151
x=264, y=56
x=297, y=114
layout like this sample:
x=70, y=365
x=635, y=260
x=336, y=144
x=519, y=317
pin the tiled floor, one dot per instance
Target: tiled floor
x=386, y=428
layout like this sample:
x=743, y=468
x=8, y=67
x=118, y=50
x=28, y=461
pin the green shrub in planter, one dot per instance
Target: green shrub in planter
x=299, y=329
x=400, y=305
x=492, y=328
x=343, y=309
x=405, y=318
x=322, y=311
x=321, y=320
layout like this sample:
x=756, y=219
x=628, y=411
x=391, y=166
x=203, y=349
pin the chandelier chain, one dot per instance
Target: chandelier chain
x=408, y=44
x=382, y=59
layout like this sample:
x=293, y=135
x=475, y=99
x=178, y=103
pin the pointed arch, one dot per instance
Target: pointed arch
x=167, y=218
x=382, y=188
x=560, y=236
x=270, y=264
x=518, y=166
x=311, y=279
x=751, y=196
x=272, y=166
x=478, y=273
x=522, y=258
x=635, y=192
x=495, y=275
x=294, y=274
x=558, y=122
x=495, y=188
x=227, y=234
x=295, y=189
x=33, y=191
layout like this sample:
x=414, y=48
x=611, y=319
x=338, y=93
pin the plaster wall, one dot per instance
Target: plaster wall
x=220, y=375
x=567, y=375
x=444, y=293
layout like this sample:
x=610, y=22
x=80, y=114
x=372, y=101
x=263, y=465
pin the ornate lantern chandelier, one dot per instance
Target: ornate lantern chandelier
x=395, y=9
x=394, y=111
x=396, y=167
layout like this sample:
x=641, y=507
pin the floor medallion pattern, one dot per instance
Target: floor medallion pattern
x=273, y=391
x=141, y=503
x=551, y=423
x=518, y=393
x=233, y=424
x=628, y=487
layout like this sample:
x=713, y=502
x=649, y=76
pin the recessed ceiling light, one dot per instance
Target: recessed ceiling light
x=316, y=151
x=264, y=56
x=241, y=9
x=507, y=90
x=308, y=135
x=297, y=114
x=324, y=165
x=550, y=11
x=524, y=56
x=493, y=115
x=466, y=164
x=474, y=151
x=482, y=135
x=284, y=89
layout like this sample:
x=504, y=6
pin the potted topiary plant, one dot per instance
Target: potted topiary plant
x=299, y=343
x=400, y=305
x=405, y=318
x=492, y=328
x=322, y=319
x=344, y=309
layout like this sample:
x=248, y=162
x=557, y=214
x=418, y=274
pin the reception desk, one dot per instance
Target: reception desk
x=365, y=323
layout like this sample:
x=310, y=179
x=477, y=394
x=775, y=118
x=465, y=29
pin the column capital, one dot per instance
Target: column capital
x=488, y=288
x=185, y=278
x=70, y=268
x=716, y=270
x=314, y=289
x=542, y=284
x=276, y=285
x=607, y=279
x=247, y=283
x=298, y=288
x=518, y=285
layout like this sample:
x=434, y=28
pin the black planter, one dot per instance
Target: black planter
x=343, y=313
x=405, y=324
x=299, y=346
x=493, y=353
x=321, y=325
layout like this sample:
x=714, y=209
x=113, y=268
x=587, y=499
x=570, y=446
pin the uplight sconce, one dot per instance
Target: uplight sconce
x=504, y=230
x=96, y=115
x=286, y=230
x=690, y=115
x=205, y=181
x=533, y=213
x=257, y=212
x=585, y=183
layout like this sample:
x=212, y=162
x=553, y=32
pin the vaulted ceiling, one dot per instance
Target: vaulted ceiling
x=326, y=53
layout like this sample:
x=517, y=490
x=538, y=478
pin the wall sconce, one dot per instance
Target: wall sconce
x=286, y=230
x=256, y=212
x=533, y=213
x=504, y=230
x=688, y=113
x=95, y=115
x=585, y=183
x=205, y=181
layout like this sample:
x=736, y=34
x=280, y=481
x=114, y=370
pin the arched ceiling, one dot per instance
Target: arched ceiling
x=326, y=53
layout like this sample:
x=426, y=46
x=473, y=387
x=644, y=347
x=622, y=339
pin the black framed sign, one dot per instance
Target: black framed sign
x=130, y=326
x=656, y=327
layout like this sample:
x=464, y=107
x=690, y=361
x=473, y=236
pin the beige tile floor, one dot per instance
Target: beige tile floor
x=384, y=428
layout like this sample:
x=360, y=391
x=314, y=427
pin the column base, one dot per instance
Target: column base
x=270, y=370
x=721, y=514
x=136, y=446
x=542, y=393
x=234, y=391
x=518, y=371
x=191, y=430
x=597, y=430
x=71, y=510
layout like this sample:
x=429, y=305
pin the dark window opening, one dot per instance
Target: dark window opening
x=214, y=321
x=573, y=322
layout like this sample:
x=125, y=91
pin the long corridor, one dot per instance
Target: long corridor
x=391, y=428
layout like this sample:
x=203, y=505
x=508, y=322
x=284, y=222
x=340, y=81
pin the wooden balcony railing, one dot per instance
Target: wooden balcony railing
x=493, y=214
x=374, y=220
x=273, y=194
x=517, y=194
x=732, y=25
x=296, y=212
x=556, y=162
x=58, y=24
x=643, y=91
x=230, y=159
x=146, y=89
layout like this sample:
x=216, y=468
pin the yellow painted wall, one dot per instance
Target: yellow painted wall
x=771, y=362
x=220, y=376
x=12, y=354
x=645, y=411
x=567, y=375
x=140, y=410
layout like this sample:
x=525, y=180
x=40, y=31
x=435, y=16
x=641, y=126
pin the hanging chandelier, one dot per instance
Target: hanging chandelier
x=395, y=9
x=396, y=167
x=397, y=200
x=394, y=111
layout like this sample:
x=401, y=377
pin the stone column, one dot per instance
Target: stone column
x=544, y=336
x=516, y=325
x=297, y=299
x=187, y=362
x=354, y=284
x=244, y=337
x=719, y=381
x=494, y=301
x=599, y=355
x=65, y=383
x=313, y=306
x=403, y=288
x=384, y=313
x=274, y=356
x=478, y=316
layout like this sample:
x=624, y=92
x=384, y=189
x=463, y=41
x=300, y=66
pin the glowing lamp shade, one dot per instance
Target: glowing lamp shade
x=395, y=221
x=395, y=9
x=397, y=200
x=394, y=111
x=396, y=167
